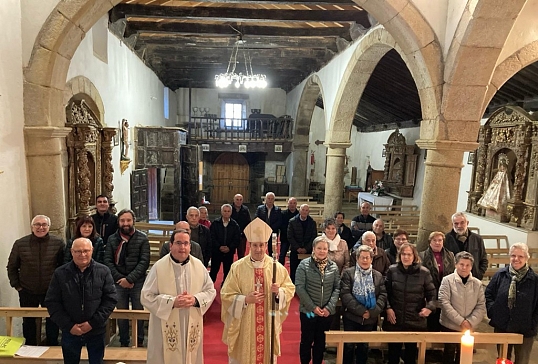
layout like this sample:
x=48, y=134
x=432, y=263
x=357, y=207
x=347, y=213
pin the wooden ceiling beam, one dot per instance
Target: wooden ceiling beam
x=261, y=42
x=218, y=29
x=244, y=15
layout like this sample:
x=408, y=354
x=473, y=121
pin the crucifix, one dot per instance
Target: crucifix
x=258, y=285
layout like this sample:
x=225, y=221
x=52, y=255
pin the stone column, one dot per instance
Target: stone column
x=299, y=157
x=46, y=159
x=441, y=183
x=334, y=179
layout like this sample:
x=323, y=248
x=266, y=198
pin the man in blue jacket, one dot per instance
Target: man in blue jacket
x=80, y=299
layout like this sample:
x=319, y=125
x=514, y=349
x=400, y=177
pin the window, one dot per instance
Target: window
x=234, y=113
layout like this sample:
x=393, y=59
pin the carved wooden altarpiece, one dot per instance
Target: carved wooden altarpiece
x=512, y=132
x=89, y=148
x=400, y=165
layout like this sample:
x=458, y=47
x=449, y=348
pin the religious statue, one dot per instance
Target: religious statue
x=125, y=140
x=498, y=193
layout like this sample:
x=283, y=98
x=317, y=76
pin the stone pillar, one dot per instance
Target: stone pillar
x=334, y=179
x=299, y=157
x=46, y=159
x=440, y=186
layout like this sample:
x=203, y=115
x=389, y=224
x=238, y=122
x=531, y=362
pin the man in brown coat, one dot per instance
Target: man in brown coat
x=30, y=266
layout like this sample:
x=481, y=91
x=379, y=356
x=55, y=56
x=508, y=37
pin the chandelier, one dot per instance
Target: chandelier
x=247, y=79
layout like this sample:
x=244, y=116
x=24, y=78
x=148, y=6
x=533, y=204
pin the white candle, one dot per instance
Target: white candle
x=467, y=343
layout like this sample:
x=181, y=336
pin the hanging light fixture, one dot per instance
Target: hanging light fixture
x=248, y=79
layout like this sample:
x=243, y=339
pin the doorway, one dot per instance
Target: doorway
x=231, y=175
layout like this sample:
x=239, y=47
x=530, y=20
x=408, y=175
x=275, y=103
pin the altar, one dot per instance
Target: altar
x=384, y=201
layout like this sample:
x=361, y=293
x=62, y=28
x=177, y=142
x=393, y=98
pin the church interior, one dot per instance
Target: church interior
x=165, y=104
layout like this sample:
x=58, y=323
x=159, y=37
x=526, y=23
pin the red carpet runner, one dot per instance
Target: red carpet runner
x=215, y=351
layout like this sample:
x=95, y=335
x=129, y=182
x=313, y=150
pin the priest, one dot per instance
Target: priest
x=247, y=296
x=177, y=292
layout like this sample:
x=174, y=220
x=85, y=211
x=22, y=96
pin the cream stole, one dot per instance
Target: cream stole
x=170, y=328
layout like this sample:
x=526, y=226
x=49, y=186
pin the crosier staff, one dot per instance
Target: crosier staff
x=275, y=298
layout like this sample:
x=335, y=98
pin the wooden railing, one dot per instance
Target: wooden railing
x=423, y=340
x=255, y=129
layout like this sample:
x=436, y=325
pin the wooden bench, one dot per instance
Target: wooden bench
x=155, y=229
x=423, y=339
x=303, y=199
x=500, y=257
x=501, y=241
x=54, y=354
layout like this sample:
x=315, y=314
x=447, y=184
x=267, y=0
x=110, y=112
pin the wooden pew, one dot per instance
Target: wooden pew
x=500, y=257
x=423, y=339
x=132, y=355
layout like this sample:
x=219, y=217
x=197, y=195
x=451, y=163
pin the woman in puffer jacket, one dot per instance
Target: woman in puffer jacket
x=317, y=283
x=411, y=298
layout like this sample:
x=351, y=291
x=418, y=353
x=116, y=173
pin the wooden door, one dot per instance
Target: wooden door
x=231, y=175
x=153, y=194
x=139, y=194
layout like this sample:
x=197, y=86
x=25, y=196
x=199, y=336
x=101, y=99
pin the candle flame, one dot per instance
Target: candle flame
x=468, y=333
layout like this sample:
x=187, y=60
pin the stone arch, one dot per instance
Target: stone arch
x=44, y=107
x=509, y=67
x=83, y=85
x=480, y=36
x=363, y=62
x=305, y=109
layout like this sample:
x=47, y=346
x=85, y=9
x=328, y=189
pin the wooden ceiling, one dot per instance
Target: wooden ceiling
x=187, y=43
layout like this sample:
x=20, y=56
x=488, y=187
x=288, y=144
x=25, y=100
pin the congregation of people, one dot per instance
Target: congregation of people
x=352, y=277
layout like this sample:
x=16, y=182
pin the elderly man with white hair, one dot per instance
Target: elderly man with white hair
x=271, y=214
x=460, y=239
x=380, y=262
x=30, y=267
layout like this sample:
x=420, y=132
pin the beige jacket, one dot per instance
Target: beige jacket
x=461, y=302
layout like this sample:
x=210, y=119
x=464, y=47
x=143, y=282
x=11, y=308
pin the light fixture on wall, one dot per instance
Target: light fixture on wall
x=247, y=79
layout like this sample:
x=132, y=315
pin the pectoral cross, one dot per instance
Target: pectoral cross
x=258, y=285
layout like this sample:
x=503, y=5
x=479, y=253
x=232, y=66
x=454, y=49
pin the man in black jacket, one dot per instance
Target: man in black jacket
x=272, y=215
x=80, y=299
x=302, y=231
x=30, y=267
x=289, y=213
x=241, y=215
x=225, y=235
x=199, y=233
x=106, y=223
x=460, y=238
x=127, y=255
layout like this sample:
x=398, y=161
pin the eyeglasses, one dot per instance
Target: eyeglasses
x=38, y=225
x=181, y=243
x=80, y=252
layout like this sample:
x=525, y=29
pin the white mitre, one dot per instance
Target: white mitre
x=258, y=231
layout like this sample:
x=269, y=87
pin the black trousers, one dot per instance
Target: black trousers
x=242, y=247
x=294, y=263
x=410, y=353
x=226, y=259
x=358, y=350
x=29, y=327
x=312, y=344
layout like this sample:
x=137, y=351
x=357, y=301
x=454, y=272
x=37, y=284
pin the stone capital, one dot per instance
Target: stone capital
x=46, y=131
x=337, y=145
x=450, y=145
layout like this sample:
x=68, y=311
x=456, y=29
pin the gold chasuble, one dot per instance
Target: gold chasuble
x=247, y=328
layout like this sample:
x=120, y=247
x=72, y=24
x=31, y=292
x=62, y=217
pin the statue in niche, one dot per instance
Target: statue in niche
x=125, y=140
x=499, y=191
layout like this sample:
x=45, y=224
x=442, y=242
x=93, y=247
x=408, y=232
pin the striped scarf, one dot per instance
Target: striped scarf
x=517, y=276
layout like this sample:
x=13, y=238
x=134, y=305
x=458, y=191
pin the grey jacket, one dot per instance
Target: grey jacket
x=461, y=302
x=316, y=290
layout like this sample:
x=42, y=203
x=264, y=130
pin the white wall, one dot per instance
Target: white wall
x=369, y=146
x=435, y=14
x=15, y=221
x=129, y=90
x=524, y=31
x=316, y=172
x=34, y=13
x=269, y=100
